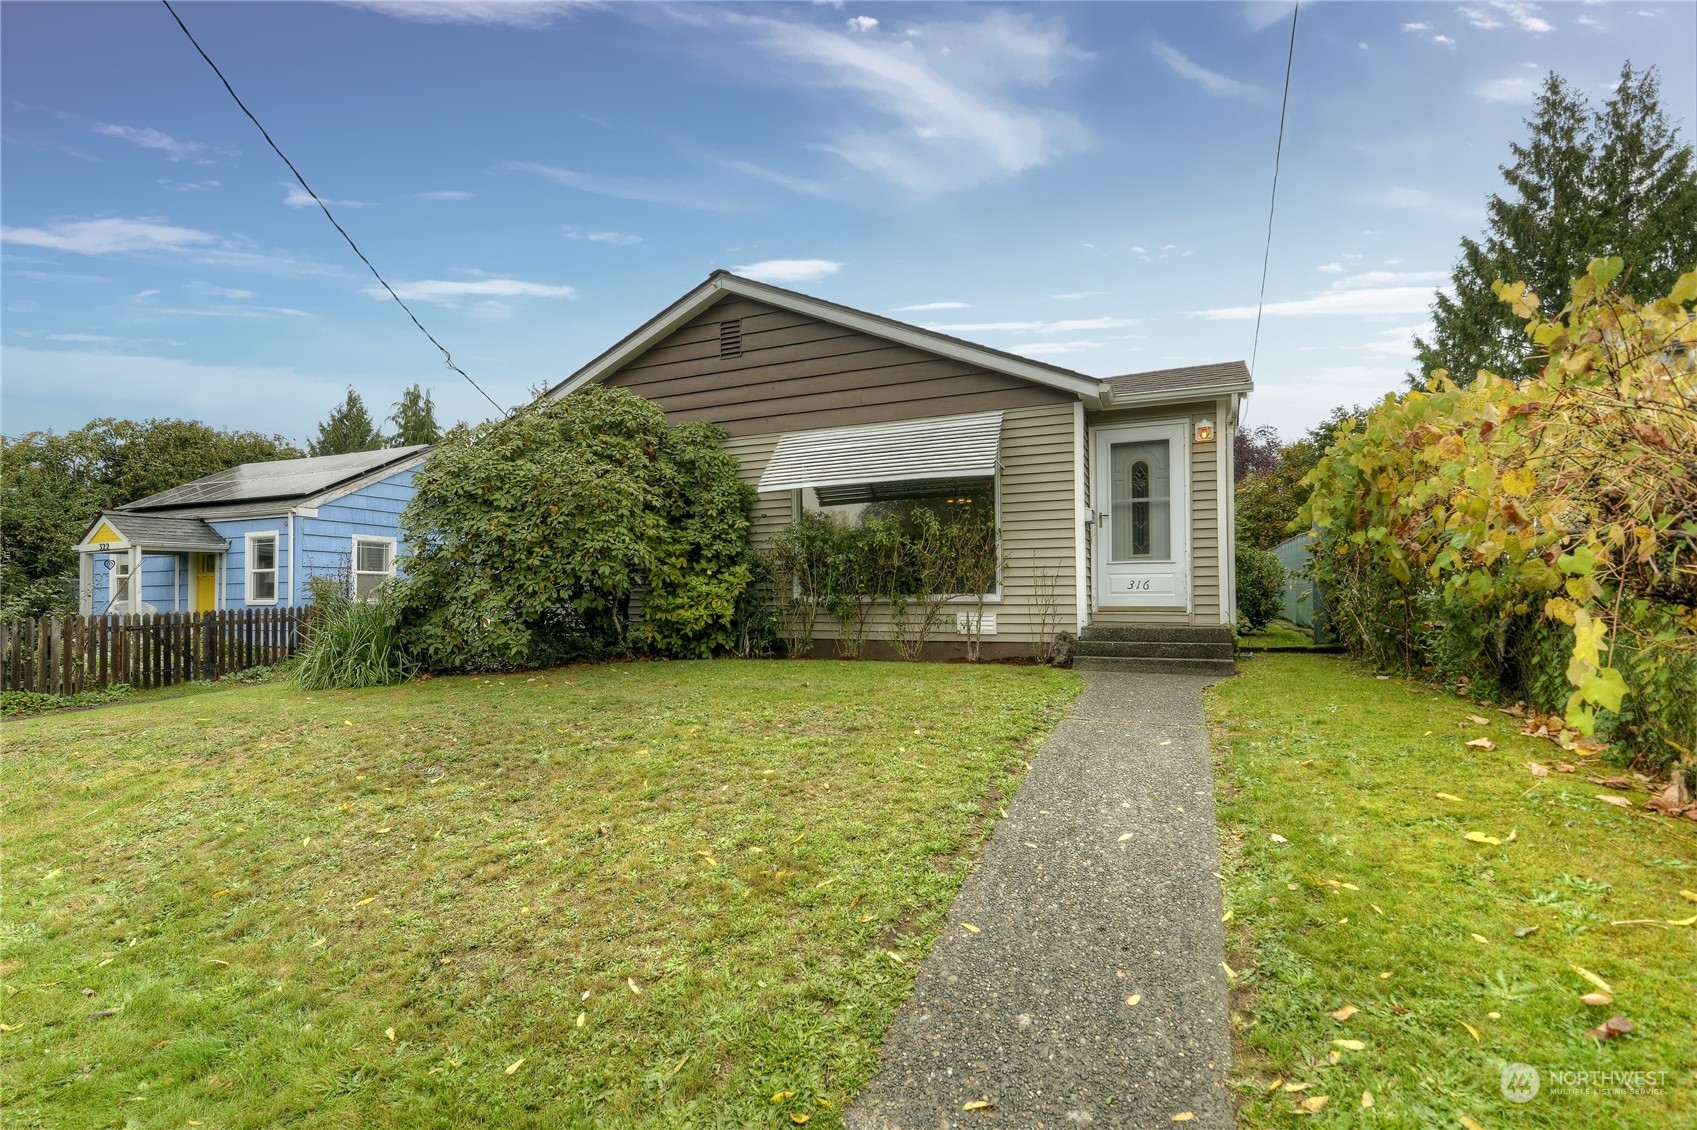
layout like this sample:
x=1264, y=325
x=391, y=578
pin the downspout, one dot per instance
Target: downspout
x=1080, y=520
x=1229, y=533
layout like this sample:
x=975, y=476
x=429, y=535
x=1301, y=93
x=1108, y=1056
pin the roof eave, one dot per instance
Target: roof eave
x=1114, y=398
x=720, y=283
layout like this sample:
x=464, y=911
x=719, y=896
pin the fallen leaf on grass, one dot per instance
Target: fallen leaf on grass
x=801, y=1119
x=515, y=1065
x=1471, y=1031
x=1597, y=1000
x=1591, y=977
x=1447, y=796
x=782, y=1095
x=1481, y=939
x=1478, y=721
x=1692, y=921
x=976, y=1104
x=1277, y=1083
x=1482, y=743
x=631, y=981
x=1278, y=839
x=10, y=1027
x=1617, y=801
x=366, y=901
x=1231, y=974
x=1469, y=1121
x=1133, y=999
x=1334, y=1057
x=1525, y=931
x=1482, y=838
x=1537, y=770
x=1350, y=1045
x=1292, y=1088
x=895, y=957
x=1612, y=1027
x=582, y=1018
x=1345, y=1012
x=389, y=1032
x=1314, y=1104
x=1692, y=895
x=1226, y=917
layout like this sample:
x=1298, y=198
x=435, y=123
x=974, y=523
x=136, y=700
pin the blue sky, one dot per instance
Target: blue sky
x=1086, y=184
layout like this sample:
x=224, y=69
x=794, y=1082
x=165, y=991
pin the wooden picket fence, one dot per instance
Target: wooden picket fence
x=67, y=654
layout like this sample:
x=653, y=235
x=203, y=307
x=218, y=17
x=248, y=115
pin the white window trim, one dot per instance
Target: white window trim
x=355, y=572
x=249, y=571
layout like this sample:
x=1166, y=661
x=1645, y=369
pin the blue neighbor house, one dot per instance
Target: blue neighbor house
x=251, y=536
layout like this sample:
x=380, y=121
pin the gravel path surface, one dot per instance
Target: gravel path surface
x=1099, y=885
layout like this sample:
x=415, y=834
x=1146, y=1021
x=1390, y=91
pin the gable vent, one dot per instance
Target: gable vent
x=730, y=339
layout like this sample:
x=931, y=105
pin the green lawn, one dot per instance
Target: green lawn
x=1279, y=633
x=626, y=895
x=1375, y=899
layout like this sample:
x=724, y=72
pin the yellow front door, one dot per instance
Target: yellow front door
x=205, y=582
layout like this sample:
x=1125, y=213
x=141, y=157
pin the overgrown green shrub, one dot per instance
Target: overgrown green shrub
x=356, y=644
x=1455, y=520
x=1260, y=586
x=529, y=537
x=13, y=703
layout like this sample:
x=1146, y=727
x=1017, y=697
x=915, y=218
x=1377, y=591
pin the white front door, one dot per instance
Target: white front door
x=1140, y=475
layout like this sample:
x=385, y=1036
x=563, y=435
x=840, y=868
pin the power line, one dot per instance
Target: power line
x=1267, y=255
x=316, y=199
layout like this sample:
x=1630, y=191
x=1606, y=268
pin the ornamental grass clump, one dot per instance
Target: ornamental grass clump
x=353, y=644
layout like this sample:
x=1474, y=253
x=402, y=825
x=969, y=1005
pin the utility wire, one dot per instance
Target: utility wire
x=316, y=199
x=1266, y=256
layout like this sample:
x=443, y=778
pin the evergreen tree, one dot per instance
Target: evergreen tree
x=1584, y=184
x=415, y=419
x=349, y=428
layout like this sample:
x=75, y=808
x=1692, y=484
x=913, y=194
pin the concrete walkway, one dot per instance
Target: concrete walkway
x=1099, y=885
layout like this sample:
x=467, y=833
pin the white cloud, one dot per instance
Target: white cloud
x=1342, y=302
x=932, y=306
x=1514, y=88
x=942, y=107
x=144, y=294
x=618, y=239
x=108, y=237
x=1071, y=325
x=1264, y=14
x=444, y=194
x=788, y=270
x=677, y=194
x=1076, y=296
x=1211, y=81
x=445, y=291
x=1332, y=268
x=1389, y=278
x=79, y=339
x=1443, y=41
x=1417, y=198
x=59, y=276
x=1417, y=27
x=1051, y=348
x=172, y=147
x=1522, y=15
x=222, y=291
x=190, y=185
x=861, y=23
x=483, y=13
x=298, y=197
x=1139, y=250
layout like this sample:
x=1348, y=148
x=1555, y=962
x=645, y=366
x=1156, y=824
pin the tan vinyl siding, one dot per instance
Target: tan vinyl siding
x=1036, y=515
x=799, y=374
x=1204, y=516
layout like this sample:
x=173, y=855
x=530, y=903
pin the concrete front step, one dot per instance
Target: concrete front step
x=1157, y=633
x=1150, y=649
x=1154, y=666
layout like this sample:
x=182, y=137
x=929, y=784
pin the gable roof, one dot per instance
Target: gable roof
x=153, y=531
x=722, y=283
x=280, y=480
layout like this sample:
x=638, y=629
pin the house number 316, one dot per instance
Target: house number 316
x=1140, y=585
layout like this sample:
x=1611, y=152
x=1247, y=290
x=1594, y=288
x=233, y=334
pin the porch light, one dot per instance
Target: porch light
x=1204, y=431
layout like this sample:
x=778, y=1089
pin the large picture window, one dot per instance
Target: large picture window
x=950, y=501
x=262, y=569
x=374, y=563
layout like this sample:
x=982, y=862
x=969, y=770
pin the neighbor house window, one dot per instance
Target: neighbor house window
x=120, y=582
x=262, y=568
x=374, y=563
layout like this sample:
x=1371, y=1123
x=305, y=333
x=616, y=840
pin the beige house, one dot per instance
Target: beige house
x=1113, y=495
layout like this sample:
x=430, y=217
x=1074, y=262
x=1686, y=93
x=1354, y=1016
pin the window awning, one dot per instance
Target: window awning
x=946, y=447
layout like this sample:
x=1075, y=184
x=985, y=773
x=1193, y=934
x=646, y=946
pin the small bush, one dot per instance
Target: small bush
x=1260, y=586
x=13, y=703
x=355, y=645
